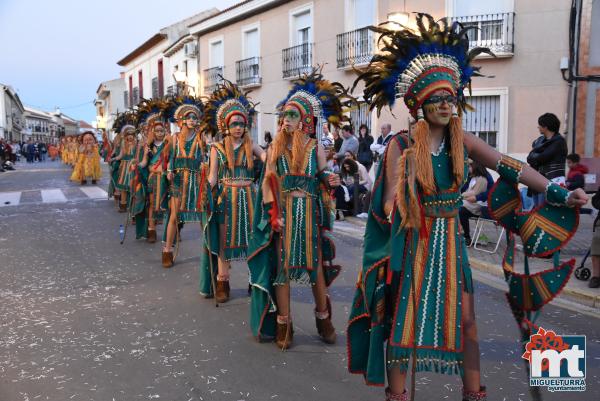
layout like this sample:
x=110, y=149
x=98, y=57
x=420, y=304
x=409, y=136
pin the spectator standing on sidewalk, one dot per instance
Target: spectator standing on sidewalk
x=365, y=140
x=350, y=143
x=577, y=172
x=595, y=248
x=383, y=139
x=337, y=139
x=30, y=151
x=16, y=151
x=548, y=153
x=43, y=151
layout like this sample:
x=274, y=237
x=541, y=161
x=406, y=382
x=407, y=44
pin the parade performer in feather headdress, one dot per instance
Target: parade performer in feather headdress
x=125, y=157
x=88, y=161
x=115, y=150
x=293, y=215
x=228, y=114
x=415, y=291
x=154, y=164
x=184, y=170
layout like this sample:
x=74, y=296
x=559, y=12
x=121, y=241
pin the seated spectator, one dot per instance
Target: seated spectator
x=344, y=194
x=474, y=195
x=577, y=172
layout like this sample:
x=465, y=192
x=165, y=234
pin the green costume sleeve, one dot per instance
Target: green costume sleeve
x=210, y=246
x=262, y=261
x=367, y=326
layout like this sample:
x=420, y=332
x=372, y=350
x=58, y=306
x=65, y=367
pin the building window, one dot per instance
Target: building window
x=359, y=116
x=485, y=120
x=128, y=104
x=141, y=84
x=216, y=57
x=161, y=82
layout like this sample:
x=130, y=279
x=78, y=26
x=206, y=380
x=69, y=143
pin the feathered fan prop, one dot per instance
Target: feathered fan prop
x=411, y=60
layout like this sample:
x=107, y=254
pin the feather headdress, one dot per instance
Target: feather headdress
x=318, y=99
x=151, y=110
x=414, y=64
x=226, y=101
x=124, y=122
x=180, y=106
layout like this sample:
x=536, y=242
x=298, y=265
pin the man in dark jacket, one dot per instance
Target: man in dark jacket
x=548, y=153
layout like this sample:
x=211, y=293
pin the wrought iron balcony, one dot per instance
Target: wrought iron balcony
x=494, y=31
x=297, y=60
x=247, y=72
x=171, y=90
x=355, y=47
x=212, y=77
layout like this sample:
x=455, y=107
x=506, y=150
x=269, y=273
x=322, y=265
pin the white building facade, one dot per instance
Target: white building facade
x=12, y=123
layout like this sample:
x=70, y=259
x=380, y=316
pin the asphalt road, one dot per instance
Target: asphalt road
x=84, y=318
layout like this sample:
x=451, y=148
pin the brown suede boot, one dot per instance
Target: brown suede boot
x=480, y=395
x=122, y=208
x=83, y=182
x=222, y=291
x=284, y=335
x=167, y=259
x=151, y=236
x=325, y=327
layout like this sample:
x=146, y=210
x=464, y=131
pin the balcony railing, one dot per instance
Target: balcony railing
x=355, y=47
x=247, y=72
x=494, y=31
x=297, y=60
x=171, y=90
x=212, y=77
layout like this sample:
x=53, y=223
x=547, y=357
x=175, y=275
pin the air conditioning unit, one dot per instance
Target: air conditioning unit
x=190, y=49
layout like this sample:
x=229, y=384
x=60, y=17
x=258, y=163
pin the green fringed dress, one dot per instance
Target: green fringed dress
x=158, y=185
x=435, y=259
x=304, y=241
x=235, y=203
x=186, y=163
x=383, y=309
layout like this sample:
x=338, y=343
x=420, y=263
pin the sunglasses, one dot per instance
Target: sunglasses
x=237, y=124
x=450, y=99
x=291, y=114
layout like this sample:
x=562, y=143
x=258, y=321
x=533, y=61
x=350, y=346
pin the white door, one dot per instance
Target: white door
x=302, y=28
x=364, y=14
x=251, y=43
x=463, y=8
x=216, y=54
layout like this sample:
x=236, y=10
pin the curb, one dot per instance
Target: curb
x=571, y=294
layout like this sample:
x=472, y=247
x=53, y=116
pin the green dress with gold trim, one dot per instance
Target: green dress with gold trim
x=430, y=266
x=186, y=163
x=305, y=240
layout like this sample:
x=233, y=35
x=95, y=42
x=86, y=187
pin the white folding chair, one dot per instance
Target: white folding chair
x=479, y=229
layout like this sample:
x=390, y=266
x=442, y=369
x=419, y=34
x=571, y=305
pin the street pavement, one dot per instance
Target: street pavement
x=84, y=318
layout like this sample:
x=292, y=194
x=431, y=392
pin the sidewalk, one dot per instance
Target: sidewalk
x=576, y=290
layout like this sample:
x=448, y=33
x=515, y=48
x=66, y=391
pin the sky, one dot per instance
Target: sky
x=57, y=52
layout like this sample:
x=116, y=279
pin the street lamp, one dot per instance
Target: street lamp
x=180, y=78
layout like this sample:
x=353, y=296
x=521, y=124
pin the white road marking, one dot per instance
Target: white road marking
x=53, y=196
x=94, y=192
x=10, y=198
